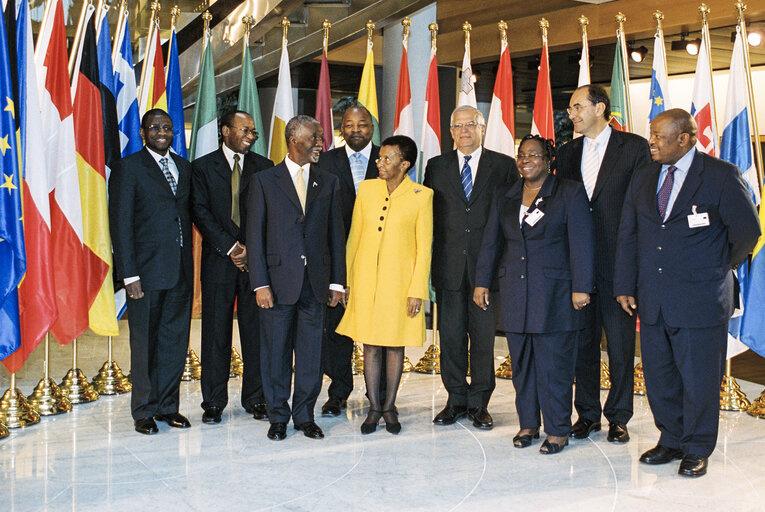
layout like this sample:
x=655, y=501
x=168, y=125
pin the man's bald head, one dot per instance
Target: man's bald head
x=681, y=121
x=673, y=134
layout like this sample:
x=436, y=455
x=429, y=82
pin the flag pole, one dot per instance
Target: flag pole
x=47, y=398
x=78, y=36
x=121, y=17
x=153, y=23
x=406, y=23
x=705, y=10
x=741, y=7
x=14, y=409
x=659, y=16
x=174, y=13
x=620, y=19
x=75, y=385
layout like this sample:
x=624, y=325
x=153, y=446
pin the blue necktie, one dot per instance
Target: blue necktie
x=358, y=169
x=467, y=177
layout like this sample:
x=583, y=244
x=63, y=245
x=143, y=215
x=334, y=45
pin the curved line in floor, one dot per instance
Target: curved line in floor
x=613, y=472
x=483, y=471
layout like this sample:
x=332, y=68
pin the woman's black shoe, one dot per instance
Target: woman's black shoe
x=549, y=448
x=370, y=424
x=524, y=441
x=393, y=426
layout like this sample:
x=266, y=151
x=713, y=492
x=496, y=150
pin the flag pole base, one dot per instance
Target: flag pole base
x=430, y=362
x=639, y=386
x=731, y=396
x=357, y=361
x=4, y=432
x=192, y=370
x=111, y=381
x=505, y=369
x=77, y=389
x=47, y=399
x=15, y=411
x=237, y=365
x=758, y=407
x=408, y=366
x=605, y=376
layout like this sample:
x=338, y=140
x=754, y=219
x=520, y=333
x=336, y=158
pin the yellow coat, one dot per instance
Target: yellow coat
x=388, y=260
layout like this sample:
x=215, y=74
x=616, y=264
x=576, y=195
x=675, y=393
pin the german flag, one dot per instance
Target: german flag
x=89, y=144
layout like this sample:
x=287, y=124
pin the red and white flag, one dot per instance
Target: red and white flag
x=500, y=128
x=61, y=166
x=404, y=121
x=467, y=90
x=430, y=145
x=324, y=104
x=542, y=122
x=702, y=105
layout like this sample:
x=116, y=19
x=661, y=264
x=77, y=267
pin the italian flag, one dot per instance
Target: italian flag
x=204, y=127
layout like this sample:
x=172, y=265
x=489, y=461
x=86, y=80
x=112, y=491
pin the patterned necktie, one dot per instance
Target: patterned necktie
x=300, y=188
x=590, y=167
x=358, y=168
x=236, y=176
x=467, y=177
x=662, y=198
x=174, y=187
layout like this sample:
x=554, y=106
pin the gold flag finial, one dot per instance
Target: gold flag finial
x=502, y=26
x=325, y=26
x=467, y=27
x=155, y=7
x=544, y=25
x=704, y=10
x=247, y=21
x=433, y=27
x=740, y=7
x=285, y=29
x=583, y=20
x=406, y=23
x=207, y=18
x=174, y=13
x=620, y=18
x=370, y=34
x=658, y=16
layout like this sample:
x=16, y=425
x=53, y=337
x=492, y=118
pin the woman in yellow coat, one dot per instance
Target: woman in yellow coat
x=388, y=260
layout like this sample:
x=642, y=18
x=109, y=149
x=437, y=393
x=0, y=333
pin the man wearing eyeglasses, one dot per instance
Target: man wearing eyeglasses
x=150, y=222
x=220, y=183
x=463, y=181
x=604, y=160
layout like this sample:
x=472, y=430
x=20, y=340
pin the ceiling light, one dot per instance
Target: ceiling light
x=754, y=38
x=692, y=47
x=637, y=54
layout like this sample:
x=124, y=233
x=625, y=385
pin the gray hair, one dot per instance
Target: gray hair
x=296, y=122
x=477, y=115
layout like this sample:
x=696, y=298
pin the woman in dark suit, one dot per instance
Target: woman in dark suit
x=539, y=243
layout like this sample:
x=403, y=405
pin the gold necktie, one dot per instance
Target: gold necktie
x=300, y=188
x=236, y=176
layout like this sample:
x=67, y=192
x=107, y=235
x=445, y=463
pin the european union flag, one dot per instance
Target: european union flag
x=12, y=255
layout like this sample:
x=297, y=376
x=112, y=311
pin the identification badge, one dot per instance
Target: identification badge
x=534, y=217
x=698, y=220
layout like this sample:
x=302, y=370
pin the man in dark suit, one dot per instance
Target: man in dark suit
x=220, y=182
x=463, y=181
x=150, y=222
x=688, y=221
x=604, y=160
x=296, y=247
x=352, y=164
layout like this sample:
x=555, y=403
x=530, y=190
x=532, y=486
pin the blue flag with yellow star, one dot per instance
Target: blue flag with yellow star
x=13, y=262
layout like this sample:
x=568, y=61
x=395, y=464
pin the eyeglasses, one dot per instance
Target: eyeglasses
x=576, y=108
x=458, y=126
x=529, y=155
x=248, y=131
x=155, y=128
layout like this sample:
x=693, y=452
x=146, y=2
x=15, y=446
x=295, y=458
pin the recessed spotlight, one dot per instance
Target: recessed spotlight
x=638, y=54
x=754, y=38
x=692, y=47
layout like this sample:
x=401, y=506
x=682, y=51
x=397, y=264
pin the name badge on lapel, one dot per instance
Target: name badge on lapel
x=534, y=217
x=697, y=220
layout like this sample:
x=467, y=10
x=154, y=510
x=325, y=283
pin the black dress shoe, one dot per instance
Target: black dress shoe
x=524, y=441
x=277, y=431
x=174, y=419
x=481, y=418
x=370, y=424
x=583, y=427
x=333, y=407
x=212, y=414
x=391, y=421
x=550, y=448
x=260, y=411
x=618, y=433
x=693, y=465
x=310, y=429
x=146, y=426
x=660, y=455
x=450, y=414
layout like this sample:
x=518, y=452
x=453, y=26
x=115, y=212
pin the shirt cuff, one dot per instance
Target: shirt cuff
x=232, y=249
x=261, y=287
x=337, y=287
x=129, y=280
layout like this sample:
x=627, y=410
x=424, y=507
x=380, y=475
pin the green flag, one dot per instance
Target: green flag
x=618, y=91
x=249, y=101
x=204, y=128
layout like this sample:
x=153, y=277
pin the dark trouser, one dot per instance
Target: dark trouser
x=543, y=376
x=683, y=369
x=336, y=355
x=217, y=324
x=458, y=318
x=284, y=329
x=604, y=313
x=159, y=338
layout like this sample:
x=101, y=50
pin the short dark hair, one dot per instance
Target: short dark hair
x=296, y=122
x=596, y=93
x=363, y=109
x=151, y=113
x=406, y=146
x=228, y=118
x=547, y=145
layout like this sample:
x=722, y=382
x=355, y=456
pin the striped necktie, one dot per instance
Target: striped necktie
x=590, y=167
x=662, y=197
x=174, y=187
x=467, y=177
x=358, y=168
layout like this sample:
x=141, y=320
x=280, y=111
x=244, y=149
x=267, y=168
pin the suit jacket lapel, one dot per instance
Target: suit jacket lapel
x=155, y=171
x=650, y=194
x=284, y=180
x=372, y=164
x=690, y=185
x=482, y=175
x=610, y=158
x=314, y=186
x=342, y=162
x=453, y=174
x=514, y=196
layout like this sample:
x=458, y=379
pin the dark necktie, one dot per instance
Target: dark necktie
x=174, y=187
x=662, y=198
x=467, y=177
x=236, y=176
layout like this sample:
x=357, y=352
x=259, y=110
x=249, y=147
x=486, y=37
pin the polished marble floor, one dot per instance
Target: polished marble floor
x=91, y=459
